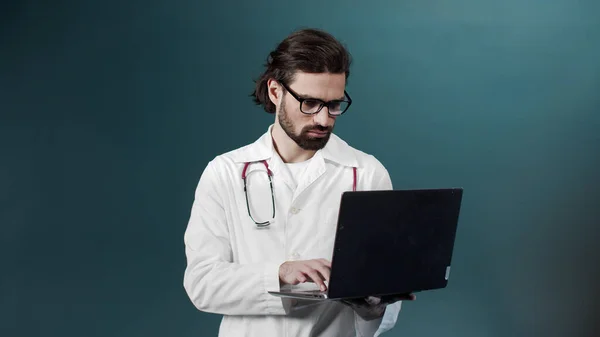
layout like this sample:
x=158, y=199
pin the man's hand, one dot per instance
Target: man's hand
x=295, y=272
x=389, y=299
x=374, y=307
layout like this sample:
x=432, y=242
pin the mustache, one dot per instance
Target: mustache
x=319, y=128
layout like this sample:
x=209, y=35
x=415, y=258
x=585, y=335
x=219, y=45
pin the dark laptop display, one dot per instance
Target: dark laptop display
x=391, y=242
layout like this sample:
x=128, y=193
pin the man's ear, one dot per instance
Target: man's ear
x=275, y=91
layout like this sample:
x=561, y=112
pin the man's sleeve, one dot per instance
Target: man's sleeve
x=212, y=281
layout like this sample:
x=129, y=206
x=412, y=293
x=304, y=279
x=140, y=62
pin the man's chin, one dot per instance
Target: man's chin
x=314, y=143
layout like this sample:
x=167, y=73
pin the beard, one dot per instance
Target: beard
x=303, y=140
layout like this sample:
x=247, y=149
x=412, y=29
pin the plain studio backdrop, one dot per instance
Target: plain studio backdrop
x=110, y=110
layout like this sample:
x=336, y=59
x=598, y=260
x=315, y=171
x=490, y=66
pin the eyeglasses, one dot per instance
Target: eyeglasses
x=312, y=106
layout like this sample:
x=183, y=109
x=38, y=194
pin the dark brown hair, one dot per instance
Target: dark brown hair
x=306, y=50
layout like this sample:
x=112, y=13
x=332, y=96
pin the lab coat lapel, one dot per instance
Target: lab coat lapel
x=316, y=168
x=281, y=172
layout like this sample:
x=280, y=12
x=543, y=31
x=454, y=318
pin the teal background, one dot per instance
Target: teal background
x=111, y=109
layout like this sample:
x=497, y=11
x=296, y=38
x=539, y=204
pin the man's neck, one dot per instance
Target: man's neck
x=287, y=148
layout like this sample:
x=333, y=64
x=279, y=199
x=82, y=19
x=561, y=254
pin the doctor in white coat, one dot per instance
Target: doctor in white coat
x=264, y=215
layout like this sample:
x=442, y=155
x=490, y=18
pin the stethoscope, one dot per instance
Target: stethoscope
x=270, y=175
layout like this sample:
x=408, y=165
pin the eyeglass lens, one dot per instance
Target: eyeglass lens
x=311, y=106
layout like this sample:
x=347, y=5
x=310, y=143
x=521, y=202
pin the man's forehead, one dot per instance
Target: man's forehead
x=325, y=86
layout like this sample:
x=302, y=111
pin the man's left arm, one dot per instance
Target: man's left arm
x=369, y=317
x=375, y=315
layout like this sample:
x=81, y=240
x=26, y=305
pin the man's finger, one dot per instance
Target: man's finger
x=319, y=263
x=324, y=271
x=408, y=297
x=301, y=277
x=373, y=300
x=321, y=268
x=325, y=262
x=316, y=278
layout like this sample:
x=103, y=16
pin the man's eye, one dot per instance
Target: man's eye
x=311, y=103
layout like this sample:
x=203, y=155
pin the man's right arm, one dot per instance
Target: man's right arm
x=212, y=281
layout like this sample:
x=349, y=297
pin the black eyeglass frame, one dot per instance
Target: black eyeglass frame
x=323, y=103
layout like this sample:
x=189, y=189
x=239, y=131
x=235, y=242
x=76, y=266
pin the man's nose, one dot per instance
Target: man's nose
x=322, y=117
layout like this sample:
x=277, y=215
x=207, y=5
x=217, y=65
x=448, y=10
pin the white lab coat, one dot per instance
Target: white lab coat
x=231, y=264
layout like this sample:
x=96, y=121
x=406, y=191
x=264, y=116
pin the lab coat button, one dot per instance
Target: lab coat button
x=294, y=256
x=294, y=210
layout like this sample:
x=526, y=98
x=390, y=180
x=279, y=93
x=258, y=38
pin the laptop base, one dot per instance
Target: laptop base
x=315, y=295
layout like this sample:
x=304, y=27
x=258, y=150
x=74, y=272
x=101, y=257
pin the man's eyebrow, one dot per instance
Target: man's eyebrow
x=306, y=96
x=320, y=99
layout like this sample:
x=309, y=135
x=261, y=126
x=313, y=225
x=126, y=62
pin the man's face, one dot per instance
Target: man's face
x=310, y=132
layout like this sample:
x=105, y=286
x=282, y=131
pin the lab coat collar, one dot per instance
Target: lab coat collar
x=336, y=150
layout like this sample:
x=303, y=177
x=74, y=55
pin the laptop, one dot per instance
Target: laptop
x=390, y=243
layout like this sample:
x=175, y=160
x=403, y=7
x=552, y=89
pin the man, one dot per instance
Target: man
x=264, y=215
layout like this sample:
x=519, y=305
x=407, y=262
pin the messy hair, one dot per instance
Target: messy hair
x=306, y=50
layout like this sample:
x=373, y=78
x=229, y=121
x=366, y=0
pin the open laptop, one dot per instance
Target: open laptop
x=392, y=242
